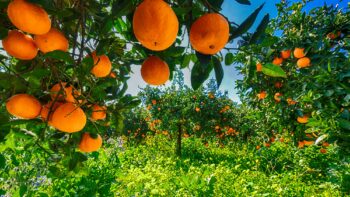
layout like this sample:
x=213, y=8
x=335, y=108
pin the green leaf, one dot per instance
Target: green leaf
x=219, y=71
x=186, y=61
x=3, y=32
x=273, y=71
x=245, y=26
x=2, y=161
x=203, y=59
x=244, y=2
x=200, y=73
x=345, y=124
x=60, y=55
x=260, y=30
x=229, y=59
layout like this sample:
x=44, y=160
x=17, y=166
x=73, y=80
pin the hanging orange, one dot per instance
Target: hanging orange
x=69, y=93
x=28, y=17
x=277, y=97
x=262, y=95
x=303, y=120
x=89, y=144
x=51, y=41
x=209, y=33
x=277, y=61
x=102, y=65
x=303, y=62
x=19, y=45
x=285, y=54
x=69, y=118
x=155, y=71
x=98, y=112
x=259, y=67
x=155, y=25
x=299, y=53
x=48, y=109
x=23, y=106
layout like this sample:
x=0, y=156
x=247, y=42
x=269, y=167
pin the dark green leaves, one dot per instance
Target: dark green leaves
x=345, y=124
x=245, y=26
x=200, y=72
x=229, y=59
x=219, y=71
x=60, y=55
x=244, y=2
x=260, y=30
x=273, y=71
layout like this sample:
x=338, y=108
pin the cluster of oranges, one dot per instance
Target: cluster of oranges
x=63, y=112
x=156, y=26
x=302, y=62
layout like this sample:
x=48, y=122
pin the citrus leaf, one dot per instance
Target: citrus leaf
x=204, y=59
x=245, y=26
x=219, y=71
x=345, y=124
x=229, y=59
x=200, y=73
x=244, y=2
x=260, y=30
x=273, y=71
x=60, y=55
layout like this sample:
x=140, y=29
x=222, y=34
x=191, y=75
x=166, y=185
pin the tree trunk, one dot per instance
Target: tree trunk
x=179, y=136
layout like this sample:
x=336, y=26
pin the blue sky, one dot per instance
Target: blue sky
x=237, y=13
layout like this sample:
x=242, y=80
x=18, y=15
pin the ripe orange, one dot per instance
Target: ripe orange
x=277, y=61
x=209, y=33
x=155, y=71
x=262, y=95
x=89, y=144
x=278, y=84
x=259, y=67
x=333, y=36
x=281, y=140
x=277, y=97
x=257, y=147
x=325, y=144
x=299, y=53
x=48, y=109
x=19, y=45
x=154, y=102
x=155, y=25
x=28, y=17
x=308, y=143
x=303, y=120
x=301, y=144
x=285, y=54
x=197, y=109
x=102, y=65
x=51, y=41
x=98, y=112
x=113, y=75
x=69, y=94
x=267, y=145
x=323, y=151
x=290, y=101
x=303, y=62
x=69, y=118
x=23, y=106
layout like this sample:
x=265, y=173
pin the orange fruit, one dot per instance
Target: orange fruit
x=155, y=71
x=285, y=54
x=259, y=67
x=301, y=144
x=257, y=147
x=267, y=145
x=303, y=120
x=333, y=36
x=69, y=94
x=68, y=118
x=102, y=65
x=323, y=151
x=278, y=84
x=197, y=109
x=19, y=45
x=277, y=61
x=308, y=143
x=303, y=62
x=277, y=97
x=325, y=144
x=48, y=109
x=89, y=144
x=51, y=41
x=281, y=140
x=28, y=17
x=98, y=112
x=299, y=53
x=209, y=33
x=290, y=101
x=23, y=106
x=262, y=95
x=155, y=25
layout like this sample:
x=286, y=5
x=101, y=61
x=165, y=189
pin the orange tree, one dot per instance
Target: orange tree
x=296, y=78
x=179, y=111
x=74, y=59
